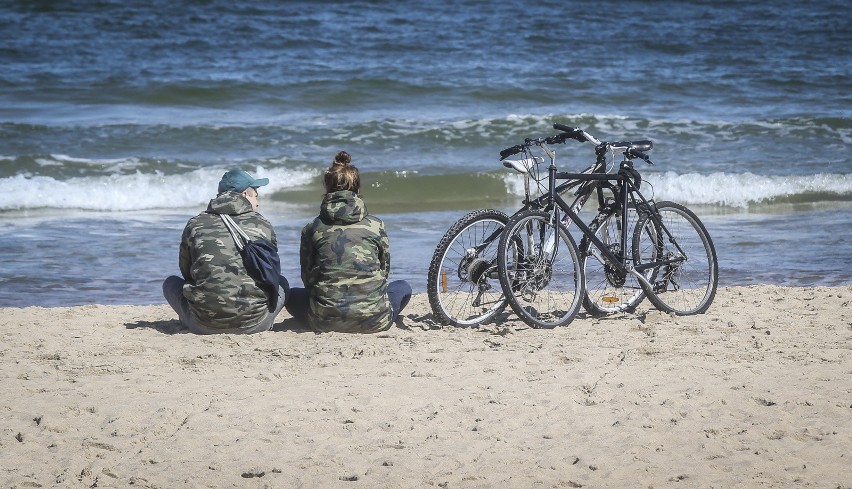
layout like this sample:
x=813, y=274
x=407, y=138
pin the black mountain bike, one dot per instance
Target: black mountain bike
x=666, y=253
x=463, y=286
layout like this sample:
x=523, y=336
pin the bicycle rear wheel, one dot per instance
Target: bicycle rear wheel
x=462, y=283
x=539, y=269
x=687, y=283
x=608, y=290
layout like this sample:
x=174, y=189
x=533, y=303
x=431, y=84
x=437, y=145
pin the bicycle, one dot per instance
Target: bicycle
x=462, y=284
x=542, y=270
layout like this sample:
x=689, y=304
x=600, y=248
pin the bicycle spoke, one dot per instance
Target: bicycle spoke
x=541, y=276
x=685, y=282
x=608, y=290
x=462, y=285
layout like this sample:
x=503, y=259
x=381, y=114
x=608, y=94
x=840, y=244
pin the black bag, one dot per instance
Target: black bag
x=260, y=258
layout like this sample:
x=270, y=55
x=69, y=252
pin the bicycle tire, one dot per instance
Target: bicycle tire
x=607, y=290
x=689, y=287
x=542, y=283
x=455, y=299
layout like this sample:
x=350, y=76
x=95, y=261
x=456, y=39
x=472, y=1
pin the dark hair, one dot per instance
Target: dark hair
x=342, y=174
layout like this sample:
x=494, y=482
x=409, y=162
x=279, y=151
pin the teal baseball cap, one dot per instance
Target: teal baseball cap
x=238, y=181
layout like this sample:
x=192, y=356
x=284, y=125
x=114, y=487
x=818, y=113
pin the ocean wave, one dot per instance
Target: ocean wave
x=135, y=191
x=795, y=145
x=399, y=191
x=421, y=129
x=748, y=189
x=511, y=129
x=734, y=190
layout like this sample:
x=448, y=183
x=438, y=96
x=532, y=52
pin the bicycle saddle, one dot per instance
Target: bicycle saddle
x=523, y=165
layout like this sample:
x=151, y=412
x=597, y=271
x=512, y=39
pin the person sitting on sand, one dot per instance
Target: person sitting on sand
x=345, y=262
x=216, y=293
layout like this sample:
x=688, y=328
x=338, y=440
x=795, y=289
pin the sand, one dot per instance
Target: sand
x=755, y=393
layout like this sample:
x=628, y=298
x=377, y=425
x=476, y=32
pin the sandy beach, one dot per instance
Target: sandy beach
x=755, y=393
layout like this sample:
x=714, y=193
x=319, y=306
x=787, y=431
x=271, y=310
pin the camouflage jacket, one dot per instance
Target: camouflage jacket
x=220, y=292
x=345, y=256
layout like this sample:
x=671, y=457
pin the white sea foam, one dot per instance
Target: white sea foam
x=728, y=189
x=134, y=191
x=740, y=190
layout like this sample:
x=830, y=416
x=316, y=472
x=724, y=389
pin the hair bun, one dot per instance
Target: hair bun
x=342, y=158
x=342, y=174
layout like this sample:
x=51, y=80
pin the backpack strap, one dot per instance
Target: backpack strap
x=240, y=236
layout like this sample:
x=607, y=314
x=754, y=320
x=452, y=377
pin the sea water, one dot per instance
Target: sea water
x=117, y=120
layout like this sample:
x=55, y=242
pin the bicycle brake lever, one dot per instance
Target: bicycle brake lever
x=570, y=132
x=558, y=139
x=639, y=154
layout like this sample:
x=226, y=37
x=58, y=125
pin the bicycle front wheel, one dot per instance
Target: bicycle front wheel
x=462, y=283
x=609, y=290
x=539, y=270
x=686, y=279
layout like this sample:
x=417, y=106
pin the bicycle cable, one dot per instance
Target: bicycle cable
x=611, y=165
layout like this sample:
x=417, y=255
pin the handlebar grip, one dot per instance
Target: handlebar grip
x=511, y=151
x=570, y=132
x=638, y=154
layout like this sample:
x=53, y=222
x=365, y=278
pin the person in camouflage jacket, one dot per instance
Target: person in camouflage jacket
x=345, y=262
x=216, y=294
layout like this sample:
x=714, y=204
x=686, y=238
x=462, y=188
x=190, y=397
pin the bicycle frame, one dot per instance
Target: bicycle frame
x=626, y=192
x=582, y=194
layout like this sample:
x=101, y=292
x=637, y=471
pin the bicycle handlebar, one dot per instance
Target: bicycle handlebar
x=575, y=133
x=567, y=133
x=632, y=149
